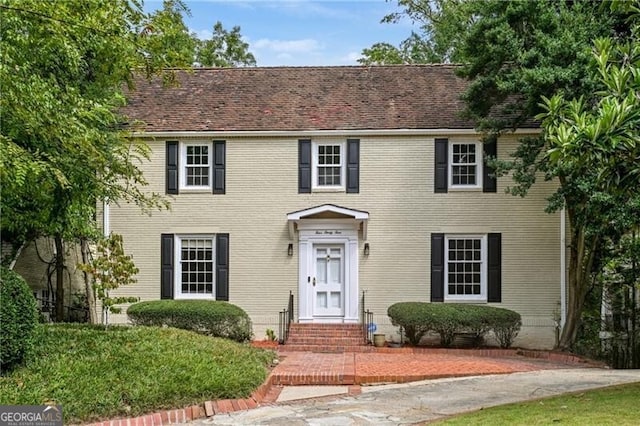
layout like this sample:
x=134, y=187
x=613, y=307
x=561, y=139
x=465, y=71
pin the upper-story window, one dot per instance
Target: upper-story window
x=195, y=166
x=328, y=165
x=196, y=158
x=465, y=165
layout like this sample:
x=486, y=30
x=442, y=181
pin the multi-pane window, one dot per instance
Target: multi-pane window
x=465, y=163
x=197, y=165
x=329, y=165
x=197, y=266
x=465, y=277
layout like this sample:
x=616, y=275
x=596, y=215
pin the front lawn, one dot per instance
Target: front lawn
x=616, y=405
x=127, y=371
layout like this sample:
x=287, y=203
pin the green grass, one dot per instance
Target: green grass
x=126, y=371
x=618, y=405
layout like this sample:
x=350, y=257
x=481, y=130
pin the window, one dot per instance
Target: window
x=465, y=165
x=197, y=166
x=328, y=165
x=196, y=271
x=466, y=267
x=465, y=271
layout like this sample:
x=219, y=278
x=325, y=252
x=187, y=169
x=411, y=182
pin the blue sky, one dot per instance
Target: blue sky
x=299, y=32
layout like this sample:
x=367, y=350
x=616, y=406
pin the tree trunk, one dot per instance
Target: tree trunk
x=88, y=286
x=59, y=243
x=582, y=252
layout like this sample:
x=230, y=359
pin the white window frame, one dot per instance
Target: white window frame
x=177, y=291
x=482, y=297
x=478, y=164
x=315, y=166
x=183, y=166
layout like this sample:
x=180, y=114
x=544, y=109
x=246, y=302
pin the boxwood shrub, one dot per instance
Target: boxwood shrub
x=209, y=317
x=449, y=319
x=18, y=319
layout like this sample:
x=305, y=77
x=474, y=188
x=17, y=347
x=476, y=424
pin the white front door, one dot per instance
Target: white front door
x=329, y=279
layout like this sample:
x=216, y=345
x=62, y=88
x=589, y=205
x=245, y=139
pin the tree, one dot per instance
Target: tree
x=514, y=53
x=224, y=49
x=593, y=147
x=64, y=68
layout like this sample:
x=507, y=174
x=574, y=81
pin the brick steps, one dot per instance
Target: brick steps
x=328, y=338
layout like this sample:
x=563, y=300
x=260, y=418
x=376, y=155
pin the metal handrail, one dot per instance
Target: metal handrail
x=366, y=318
x=284, y=321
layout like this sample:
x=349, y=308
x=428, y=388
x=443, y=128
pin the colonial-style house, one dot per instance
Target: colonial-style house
x=331, y=183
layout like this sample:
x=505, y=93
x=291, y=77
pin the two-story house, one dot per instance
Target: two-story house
x=329, y=182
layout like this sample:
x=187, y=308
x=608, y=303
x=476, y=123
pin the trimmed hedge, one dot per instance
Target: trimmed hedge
x=18, y=319
x=449, y=319
x=209, y=317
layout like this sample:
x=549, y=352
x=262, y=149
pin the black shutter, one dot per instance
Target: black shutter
x=353, y=166
x=441, y=167
x=490, y=148
x=166, y=266
x=494, y=268
x=172, y=168
x=222, y=267
x=437, y=267
x=218, y=167
x=304, y=166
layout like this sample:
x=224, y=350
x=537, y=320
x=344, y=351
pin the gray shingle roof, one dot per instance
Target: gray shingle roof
x=302, y=98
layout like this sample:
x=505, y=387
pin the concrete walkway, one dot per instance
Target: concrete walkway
x=423, y=401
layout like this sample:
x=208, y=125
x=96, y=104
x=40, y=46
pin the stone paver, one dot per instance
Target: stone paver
x=413, y=403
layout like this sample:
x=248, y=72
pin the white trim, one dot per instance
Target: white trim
x=328, y=231
x=294, y=218
x=482, y=297
x=106, y=223
x=177, y=273
x=182, y=172
x=315, y=145
x=312, y=133
x=478, y=165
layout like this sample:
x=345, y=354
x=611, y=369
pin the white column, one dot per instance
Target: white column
x=351, y=296
x=305, y=294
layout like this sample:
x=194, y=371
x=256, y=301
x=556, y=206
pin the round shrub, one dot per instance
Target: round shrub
x=18, y=319
x=449, y=319
x=209, y=317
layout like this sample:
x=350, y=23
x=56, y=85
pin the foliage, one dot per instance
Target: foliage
x=98, y=373
x=449, y=319
x=210, y=317
x=608, y=406
x=18, y=319
x=65, y=66
x=271, y=335
x=110, y=269
x=224, y=49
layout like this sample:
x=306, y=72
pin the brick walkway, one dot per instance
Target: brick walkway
x=309, y=368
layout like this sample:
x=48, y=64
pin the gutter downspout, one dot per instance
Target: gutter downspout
x=563, y=268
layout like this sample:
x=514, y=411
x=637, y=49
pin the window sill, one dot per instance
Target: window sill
x=322, y=190
x=195, y=191
x=465, y=189
x=449, y=300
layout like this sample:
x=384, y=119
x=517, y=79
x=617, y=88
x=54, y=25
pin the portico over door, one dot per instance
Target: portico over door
x=329, y=238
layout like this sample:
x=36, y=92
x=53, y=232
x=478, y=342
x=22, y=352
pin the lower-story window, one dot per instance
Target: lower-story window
x=195, y=276
x=465, y=271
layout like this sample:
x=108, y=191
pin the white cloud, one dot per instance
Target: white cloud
x=305, y=45
x=352, y=57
